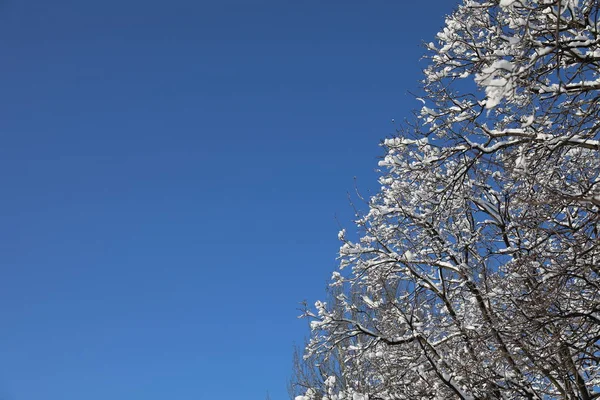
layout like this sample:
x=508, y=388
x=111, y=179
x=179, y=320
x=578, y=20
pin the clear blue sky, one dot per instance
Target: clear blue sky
x=171, y=174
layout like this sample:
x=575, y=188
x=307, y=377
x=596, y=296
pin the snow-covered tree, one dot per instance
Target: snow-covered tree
x=477, y=270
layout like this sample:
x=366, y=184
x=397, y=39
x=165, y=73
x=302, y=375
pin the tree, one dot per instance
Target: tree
x=477, y=271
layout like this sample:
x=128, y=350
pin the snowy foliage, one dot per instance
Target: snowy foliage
x=476, y=275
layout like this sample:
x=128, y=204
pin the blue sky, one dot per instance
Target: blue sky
x=173, y=177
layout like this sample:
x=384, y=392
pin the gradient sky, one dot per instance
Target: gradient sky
x=174, y=175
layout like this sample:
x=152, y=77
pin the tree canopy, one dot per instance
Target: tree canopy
x=476, y=270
